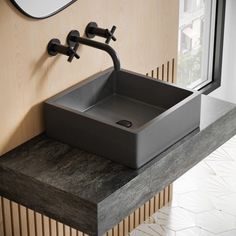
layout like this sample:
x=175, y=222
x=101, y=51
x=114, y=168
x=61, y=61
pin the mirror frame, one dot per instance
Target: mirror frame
x=40, y=18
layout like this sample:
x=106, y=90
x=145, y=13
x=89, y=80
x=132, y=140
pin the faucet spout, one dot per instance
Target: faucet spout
x=73, y=37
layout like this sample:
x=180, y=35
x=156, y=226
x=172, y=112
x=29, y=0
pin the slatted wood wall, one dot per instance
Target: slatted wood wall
x=142, y=214
x=16, y=220
x=165, y=72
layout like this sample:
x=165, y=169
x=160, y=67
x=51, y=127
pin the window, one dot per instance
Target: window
x=192, y=5
x=201, y=26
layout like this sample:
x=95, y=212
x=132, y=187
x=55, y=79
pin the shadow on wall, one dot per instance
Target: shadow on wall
x=23, y=122
x=37, y=69
x=32, y=122
x=15, y=137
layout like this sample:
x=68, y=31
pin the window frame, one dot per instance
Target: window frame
x=218, y=49
x=208, y=49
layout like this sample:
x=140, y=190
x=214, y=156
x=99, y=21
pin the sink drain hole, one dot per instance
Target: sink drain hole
x=125, y=123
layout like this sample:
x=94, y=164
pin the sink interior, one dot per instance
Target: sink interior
x=116, y=108
x=115, y=97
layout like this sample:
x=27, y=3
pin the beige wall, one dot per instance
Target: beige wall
x=147, y=38
x=147, y=43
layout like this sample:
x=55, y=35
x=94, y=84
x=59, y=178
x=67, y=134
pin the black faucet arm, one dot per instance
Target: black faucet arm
x=73, y=36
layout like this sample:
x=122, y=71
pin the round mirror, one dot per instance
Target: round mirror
x=41, y=9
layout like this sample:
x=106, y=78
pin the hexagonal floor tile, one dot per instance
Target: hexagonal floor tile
x=230, y=143
x=159, y=230
x=225, y=168
x=174, y=218
x=216, y=221
x=231, y=182
x=191, y=180
x=196, y=202
x=200, y=171
x=229, y=233
x=219, y=155
x=204, y=200
x=195, y=231
x=184, y=185
x=151, y=230
x=138, y=232
x=230, y=150
x=227, y=204
x=175, y=200
x=215, y=186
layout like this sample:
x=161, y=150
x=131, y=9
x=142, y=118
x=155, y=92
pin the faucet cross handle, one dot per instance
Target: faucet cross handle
x=73, y=44
x=110, y=34
x=54, y=47
x=93, y=30
x=73, y=53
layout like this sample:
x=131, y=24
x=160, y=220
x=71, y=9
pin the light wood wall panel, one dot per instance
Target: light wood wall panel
x=147, y=36
x=16, y=220
x=147, y=41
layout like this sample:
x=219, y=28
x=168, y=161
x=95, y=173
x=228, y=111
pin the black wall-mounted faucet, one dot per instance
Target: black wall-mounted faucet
x=93, y=30
x=74, y=38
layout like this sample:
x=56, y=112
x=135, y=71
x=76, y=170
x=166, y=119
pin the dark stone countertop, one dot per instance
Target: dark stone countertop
x=93, y=194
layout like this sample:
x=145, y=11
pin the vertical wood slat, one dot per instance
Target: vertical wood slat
x=121, y=229
x=152, y=206
x=115, y=231
x=168, y=72
x=142, y=214
x=146, y=210
x=136, y=218
x=46, y=227
x=31, y=222
x=23, y=221
x=161, y=199
x=15, y=219
x=170, y=192
x=158, y=71
x=60, y=229
x=2, y=220
x=7, y=217
x=174, y=70
x=163, y=72
x=126, y=225
x=131, y=222
x=38, y=224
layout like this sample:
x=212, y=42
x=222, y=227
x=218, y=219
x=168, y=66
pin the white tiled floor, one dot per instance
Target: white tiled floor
x=204, y=201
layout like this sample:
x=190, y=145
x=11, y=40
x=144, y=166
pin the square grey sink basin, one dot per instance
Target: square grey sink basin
x=123, y=116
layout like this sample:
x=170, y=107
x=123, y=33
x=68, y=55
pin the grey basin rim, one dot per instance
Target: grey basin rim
x=133, y=131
